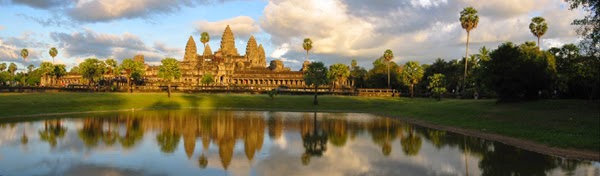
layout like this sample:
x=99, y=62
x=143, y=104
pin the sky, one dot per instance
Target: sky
x=341, y=30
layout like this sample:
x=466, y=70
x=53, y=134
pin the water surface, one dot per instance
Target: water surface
x=211, y=142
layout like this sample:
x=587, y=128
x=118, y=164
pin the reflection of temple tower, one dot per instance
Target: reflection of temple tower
x=189, y=137
x=228, y=43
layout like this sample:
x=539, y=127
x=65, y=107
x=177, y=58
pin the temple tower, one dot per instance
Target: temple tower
x=228, y=43
x=252, y=52
x=190, y=50
x=262, y=58
x=207, y=53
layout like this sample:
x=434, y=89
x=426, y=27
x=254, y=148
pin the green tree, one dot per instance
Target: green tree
x=59, y=71
x=46, y=69
x=316, y=75
x=30, y=68
x=436, y=85
x=2, y=67
x=538, y=28
x=168, y=71
x=412, y=73
x=338, y=73
x=53, y=52
x=388, y=55
x=12, y=68
x=307, y=45
x=517, y=72
x=92, y=69
x=589, y=26
x=484, y=54
x=468, y=20
x=24, y=53
x=133, y=70
x=207, y=79
x=377, y=76
x=112, y=68
x=358, y=75
x=204, y=38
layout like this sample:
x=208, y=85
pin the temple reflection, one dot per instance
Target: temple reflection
x=208, y=135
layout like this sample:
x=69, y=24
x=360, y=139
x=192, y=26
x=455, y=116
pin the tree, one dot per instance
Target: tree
x=133, y=70
x=338, y=73
x=388, y=55
x=2, y=67
x=307, y=45
x=30, y=68
x=59, y=71
x=589, y=26
x=12, y=68
x=46, y=69
x=412, y=73
x=484, y=54
x=204, y=38
x=316, y=75
x=112, y=68
x=92, y=69
x=168, y=71
x=53, y=52
x=377, y=76
x=517, y=72
x=24, y=53
x=358, y=75
x=468, y=20
x=436, y=85
x=207, y=79
x=538, y=27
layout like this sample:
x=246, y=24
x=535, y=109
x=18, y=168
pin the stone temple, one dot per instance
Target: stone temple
x=229, y=68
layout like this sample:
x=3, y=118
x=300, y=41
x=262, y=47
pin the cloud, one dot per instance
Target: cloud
x=89, y=43
x=242, y=26
x=108, y=10
x=10, y=49
x=419, y=30
x=1, y=27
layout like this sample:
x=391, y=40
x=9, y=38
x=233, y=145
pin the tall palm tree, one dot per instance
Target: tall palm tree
x=24, y=53
x=307, y=45
x=388, y=55
x=53, y=52
x=468, y=20
x=538, y=27
x=204, y=38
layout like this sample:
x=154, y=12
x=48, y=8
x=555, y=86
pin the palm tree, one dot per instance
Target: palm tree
x=30, y=68
x=204, y=38
x=538, y=27
x=468, y=20
x=24, y=53
x=388, y=55
x=169, y=70
x=412, y=73
x=2, y=67
x=484, y=54
x=53, y=52
x=307, y=45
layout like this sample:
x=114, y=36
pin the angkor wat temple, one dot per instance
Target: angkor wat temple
x=226, y=65
x=230, y=68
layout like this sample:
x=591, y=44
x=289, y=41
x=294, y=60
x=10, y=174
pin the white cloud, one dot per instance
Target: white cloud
x=242, y=26
x=280, y=51
x=427, y=3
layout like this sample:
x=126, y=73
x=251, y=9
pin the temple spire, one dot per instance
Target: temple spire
x=228, y=43
x=190, y=50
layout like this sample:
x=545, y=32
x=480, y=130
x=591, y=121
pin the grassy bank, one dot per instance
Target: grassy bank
x=560, y=123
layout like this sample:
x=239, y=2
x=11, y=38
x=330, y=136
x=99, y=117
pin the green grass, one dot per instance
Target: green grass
x=560, y=123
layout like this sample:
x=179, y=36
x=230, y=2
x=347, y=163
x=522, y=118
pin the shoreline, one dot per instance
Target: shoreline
x=512, y=141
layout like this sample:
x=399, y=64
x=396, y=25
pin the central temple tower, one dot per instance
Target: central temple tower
x=228, y=43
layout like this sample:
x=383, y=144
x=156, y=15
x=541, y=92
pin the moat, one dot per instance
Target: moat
x=214, y=142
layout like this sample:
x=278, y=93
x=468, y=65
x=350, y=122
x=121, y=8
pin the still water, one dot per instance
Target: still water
x=211, y=142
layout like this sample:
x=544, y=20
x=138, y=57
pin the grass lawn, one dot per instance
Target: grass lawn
x=573, y=124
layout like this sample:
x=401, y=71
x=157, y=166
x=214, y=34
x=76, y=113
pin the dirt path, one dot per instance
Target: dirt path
x=520, y=143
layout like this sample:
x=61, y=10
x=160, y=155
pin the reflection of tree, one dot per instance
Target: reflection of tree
x=314, y=143
x=507, y=160
x=110, y=136
x=133, y=133
x=411, y=144
x=336, y=128
x=91, y=132
x=275, y=124
x=435, y=136
x=53, y=129
x=168, y=140
x=383, y=132
x=202, y=161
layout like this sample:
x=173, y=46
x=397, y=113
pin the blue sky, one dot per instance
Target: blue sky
x=342, y=30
